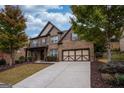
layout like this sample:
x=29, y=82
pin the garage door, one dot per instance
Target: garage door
x=76, y=55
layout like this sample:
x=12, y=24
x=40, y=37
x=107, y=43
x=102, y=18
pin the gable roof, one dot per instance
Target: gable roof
x=64, y=35
x=43, y=30
x=48, y=27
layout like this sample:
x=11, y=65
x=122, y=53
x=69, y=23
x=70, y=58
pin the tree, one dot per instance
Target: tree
x=99, y=24
x=12, y=26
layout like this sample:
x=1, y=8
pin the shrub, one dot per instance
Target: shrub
x=99, y=54
x=52, y=58
x=29, y=58
x=2, y=62
x=22, y=59
x=112, y=67
x=120, y=79
x=17, y=62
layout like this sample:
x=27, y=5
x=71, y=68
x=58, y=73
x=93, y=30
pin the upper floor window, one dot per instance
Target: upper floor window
x=74, y=36
x=34, y=43
x=43, y=41
x=54, y=39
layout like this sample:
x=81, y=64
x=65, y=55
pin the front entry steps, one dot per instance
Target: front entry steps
x=42, y=61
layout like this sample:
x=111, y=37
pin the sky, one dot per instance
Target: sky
x=38, y=15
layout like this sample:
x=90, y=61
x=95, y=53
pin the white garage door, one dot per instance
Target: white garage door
x=76, y=55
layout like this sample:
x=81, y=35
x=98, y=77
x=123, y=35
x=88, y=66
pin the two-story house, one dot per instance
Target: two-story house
x=65, y=45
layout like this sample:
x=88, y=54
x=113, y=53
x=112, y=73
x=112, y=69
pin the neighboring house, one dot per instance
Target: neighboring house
x=122, y=43
x=20, y=52
x=5, y=56
x=115, y=45
x=65, y=45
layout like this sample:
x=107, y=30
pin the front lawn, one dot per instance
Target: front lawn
x=115, y=57
x=118, y=56
x=16, y=74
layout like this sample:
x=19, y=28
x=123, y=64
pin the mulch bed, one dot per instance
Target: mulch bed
x=96, y=80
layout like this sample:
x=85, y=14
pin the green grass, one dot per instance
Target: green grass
x=115, y=57
x=118, y=57
x=16, y=74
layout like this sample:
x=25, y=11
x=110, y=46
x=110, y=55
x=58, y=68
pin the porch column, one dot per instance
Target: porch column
x=45, y=54
x=25, y=54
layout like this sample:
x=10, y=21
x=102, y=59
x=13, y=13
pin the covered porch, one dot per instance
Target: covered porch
x=36, y=53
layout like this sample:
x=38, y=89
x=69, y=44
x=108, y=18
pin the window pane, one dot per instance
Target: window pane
x=43, y=41
x=34, y=43
x=53, y=52
x=54, y=39
x=74, y=36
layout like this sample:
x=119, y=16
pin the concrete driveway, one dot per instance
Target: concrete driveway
x=59, y=75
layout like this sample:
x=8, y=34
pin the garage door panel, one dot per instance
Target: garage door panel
x=78, y=58
x=85, y=58
x=71, y=52
x=70, y=59
x=65, y=53
x=65, y=57
x=85, y=52
x=78, y=52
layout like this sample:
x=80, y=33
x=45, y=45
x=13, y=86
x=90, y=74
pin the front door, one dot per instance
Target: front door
x=38, y=54
x=42, y=55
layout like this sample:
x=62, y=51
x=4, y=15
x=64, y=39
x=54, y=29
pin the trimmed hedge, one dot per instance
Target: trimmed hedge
x=2, y=62
x=52, y=58
x=17, y=62
x=120, y=79
x=29, y=58
x=22, y=59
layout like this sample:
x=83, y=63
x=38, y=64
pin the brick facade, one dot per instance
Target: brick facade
x=65, y=42
x=68, y=43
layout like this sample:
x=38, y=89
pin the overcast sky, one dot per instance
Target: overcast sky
x=37, y=17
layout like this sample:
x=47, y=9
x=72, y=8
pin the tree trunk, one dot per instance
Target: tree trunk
x=109, y=52
x=12, y=56
x=109, y=55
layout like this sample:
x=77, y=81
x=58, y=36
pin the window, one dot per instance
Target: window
x=53, y=52
x=34, y=43
x=43, y=41
x=54, y=39
x=74, y=36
